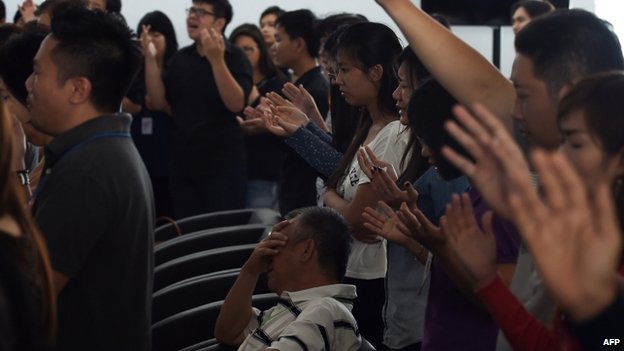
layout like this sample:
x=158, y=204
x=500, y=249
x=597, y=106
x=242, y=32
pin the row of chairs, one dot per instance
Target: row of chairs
x=197, y=261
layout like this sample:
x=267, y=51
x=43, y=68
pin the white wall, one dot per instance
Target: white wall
x=244, y=11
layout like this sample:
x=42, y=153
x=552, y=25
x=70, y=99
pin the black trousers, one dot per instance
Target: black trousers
x=368, y=308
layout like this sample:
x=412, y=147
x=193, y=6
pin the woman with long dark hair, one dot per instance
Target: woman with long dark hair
x=27, y=299
x=151, y=130
x=366, y=56
x=264, y=151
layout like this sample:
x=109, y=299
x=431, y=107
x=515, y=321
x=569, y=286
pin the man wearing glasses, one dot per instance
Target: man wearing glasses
x=203, y=88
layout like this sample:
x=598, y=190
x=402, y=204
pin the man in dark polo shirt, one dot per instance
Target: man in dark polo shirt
x=94, y=203
x=204, y=87
x=296, y=47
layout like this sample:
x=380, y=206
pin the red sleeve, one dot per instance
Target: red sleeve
x=521, y=329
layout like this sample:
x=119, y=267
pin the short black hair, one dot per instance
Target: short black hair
x=97, y=46
x=221, y=8
x=330, y=234
x=600, y=98
x=16, y=59
x=113, y=6
x=533, y=8
x=272, y=10
x=49, y=6
x=301, y=24
x=565, y=45
x=329, y=24
x=7, y=31
x=428, y=110
x=159, y=22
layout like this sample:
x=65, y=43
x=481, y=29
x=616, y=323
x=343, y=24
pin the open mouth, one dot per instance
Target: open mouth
x=192, y=26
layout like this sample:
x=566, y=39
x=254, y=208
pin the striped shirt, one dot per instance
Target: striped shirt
x=313, y=319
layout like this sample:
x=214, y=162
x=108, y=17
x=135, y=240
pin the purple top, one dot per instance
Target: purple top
x=452, y=322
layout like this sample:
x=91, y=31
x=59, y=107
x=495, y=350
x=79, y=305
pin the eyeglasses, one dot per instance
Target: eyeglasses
x=198, y=12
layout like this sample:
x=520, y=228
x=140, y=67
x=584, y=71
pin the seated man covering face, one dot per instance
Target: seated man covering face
x=305, y=259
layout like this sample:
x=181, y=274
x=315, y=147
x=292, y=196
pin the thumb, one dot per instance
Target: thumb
x=412, y=195
x=425, y=222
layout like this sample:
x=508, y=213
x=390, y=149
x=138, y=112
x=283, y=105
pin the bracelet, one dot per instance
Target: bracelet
x=23, y=176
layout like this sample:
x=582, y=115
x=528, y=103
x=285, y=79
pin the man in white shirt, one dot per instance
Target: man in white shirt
x=305, y=259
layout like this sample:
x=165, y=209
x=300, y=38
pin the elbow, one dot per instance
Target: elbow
x=154, y=104
x=222, y=335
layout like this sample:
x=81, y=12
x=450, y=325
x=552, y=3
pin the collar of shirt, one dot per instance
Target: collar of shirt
x=119, y=123
x=338, y=291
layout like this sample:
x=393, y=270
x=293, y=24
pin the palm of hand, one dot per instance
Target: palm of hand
x=385, y=222
x=475, y=250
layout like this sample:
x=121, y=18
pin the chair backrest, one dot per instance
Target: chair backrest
x=195, y=325
x=209, y=239
x=197, y=291
x=217, y=219
x=199, y=263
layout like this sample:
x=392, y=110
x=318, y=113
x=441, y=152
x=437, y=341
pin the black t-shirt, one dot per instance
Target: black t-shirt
x=151, y=131
x=207, y=140
x=95, y=208
x=265, y=152
x=298, y=179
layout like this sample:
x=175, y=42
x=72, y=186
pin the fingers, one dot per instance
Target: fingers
x=373, y=217
x=551, y=181
x=290, y=91
x=277, y=99
x=364, y=164
x=372, y=155
x=464, y=164
x=146, y=29
x=412, y=196
x=409, y=219
x=604, y=210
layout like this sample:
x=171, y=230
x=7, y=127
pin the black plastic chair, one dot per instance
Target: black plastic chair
x=197, y=291
x=199, y=263
x=215, y=220
x=209, y=239
x=196, y=325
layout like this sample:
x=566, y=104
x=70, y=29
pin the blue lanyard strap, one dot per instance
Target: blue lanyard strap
x=47, y=171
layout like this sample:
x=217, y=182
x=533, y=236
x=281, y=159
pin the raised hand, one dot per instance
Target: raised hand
x=420, y=228
x=385, y=222
x=27, y=10
x=261, y=256
x=302, y=99
x=147, y=43
x=277, y=99
x=212, y=45
x=574, y=237
x=253, y=123
x=495, y=155
x=383, y=177
x=475, y=250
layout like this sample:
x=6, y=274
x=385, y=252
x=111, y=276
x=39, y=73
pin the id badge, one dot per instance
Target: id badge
x=147, y=126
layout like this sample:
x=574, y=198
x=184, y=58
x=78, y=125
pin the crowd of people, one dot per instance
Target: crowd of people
x=430, y=202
